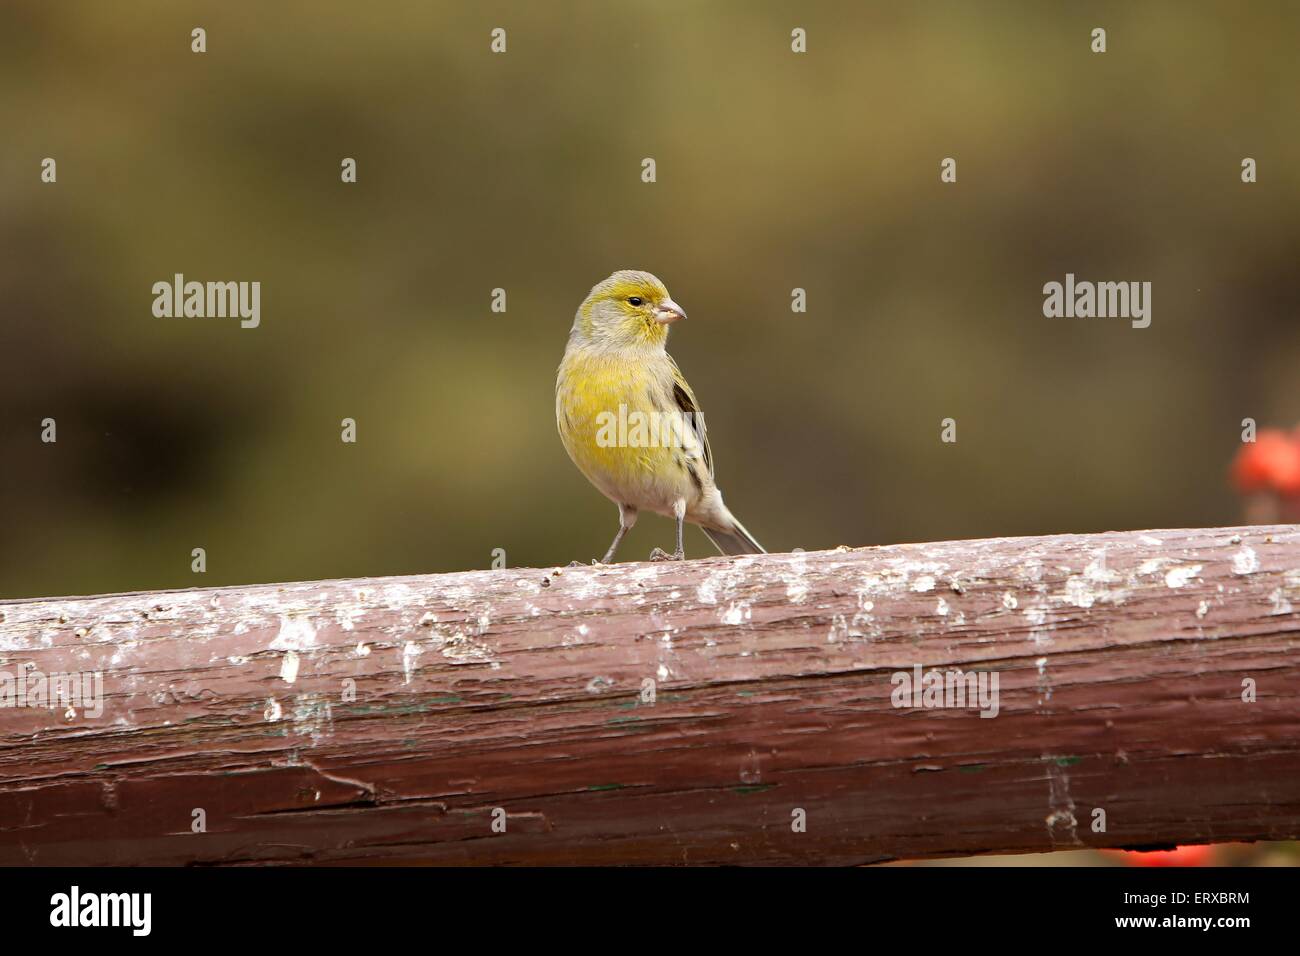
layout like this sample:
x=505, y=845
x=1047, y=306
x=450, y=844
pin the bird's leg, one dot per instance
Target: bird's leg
x=626, y=519
x=658, y=554
x=609, y=555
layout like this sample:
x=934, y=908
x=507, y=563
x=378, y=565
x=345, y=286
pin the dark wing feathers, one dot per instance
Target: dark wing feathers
x=686, y=402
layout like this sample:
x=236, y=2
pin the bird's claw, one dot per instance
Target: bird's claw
x=659, y=554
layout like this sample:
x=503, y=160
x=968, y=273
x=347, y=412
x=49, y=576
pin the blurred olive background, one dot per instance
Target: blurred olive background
x=522, y=171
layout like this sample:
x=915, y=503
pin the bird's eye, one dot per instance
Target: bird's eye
x=634, y=300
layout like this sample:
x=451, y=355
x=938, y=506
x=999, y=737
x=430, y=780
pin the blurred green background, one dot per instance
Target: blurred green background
x=522, y=171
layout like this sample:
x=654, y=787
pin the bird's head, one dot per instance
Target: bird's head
x=628, y=309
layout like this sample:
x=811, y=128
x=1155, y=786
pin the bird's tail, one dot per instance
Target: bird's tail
x=734, y=539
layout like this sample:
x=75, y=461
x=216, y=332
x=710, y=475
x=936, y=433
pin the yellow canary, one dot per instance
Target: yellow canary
x=631, y=423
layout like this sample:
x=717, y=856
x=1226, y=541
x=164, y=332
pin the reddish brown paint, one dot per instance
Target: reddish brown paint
x=1136, y=707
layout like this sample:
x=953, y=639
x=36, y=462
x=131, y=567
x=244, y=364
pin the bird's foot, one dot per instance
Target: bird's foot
x=659, y=554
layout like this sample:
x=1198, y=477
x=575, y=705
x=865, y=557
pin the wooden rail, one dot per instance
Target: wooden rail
x=1145, y=686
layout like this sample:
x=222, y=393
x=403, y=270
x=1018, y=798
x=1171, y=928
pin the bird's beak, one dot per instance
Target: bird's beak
x=669, y=312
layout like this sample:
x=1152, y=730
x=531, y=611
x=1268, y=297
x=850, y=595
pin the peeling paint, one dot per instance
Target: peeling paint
x=1181, y=576
x=312, y=716
x=737, y=612
x=289, y=667
x=410, y=651
x=1061, y=816
x=296, y=634
x=1151, y=566
x=796, y=580
x=1079, y=592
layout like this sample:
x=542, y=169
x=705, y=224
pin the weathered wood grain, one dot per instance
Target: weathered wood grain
x=1120, y=658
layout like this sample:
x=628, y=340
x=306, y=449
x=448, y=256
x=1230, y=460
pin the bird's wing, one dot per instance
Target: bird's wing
x=685, y=399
